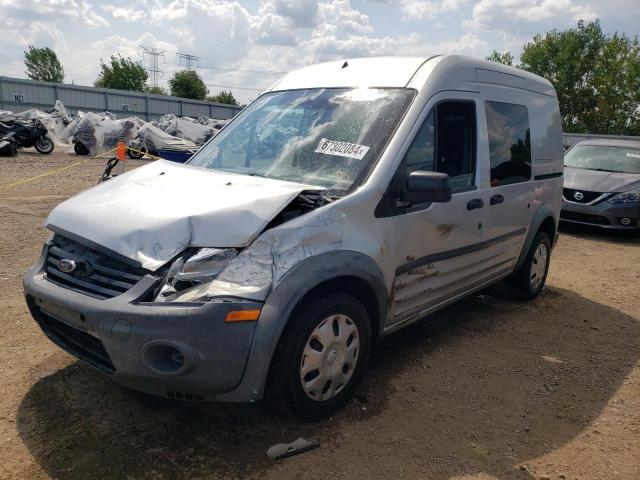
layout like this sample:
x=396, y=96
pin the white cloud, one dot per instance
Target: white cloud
x=247, y=40
x=302, y=13
x=520, y=14
x=420, y=9
x=125, y=13
x=162, y=11
x=340, y=17
x=415, y=10
x=271, y=27
x=78, y=10
x=17, y=35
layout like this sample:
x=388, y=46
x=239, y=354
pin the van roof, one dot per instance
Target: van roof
x=451, y=72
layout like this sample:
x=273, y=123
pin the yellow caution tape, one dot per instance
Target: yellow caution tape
x=144, y=153
x=45, y=174
x=62, y=169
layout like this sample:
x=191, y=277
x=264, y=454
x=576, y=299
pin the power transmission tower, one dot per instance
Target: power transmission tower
x=188, y=60
x=153, y=54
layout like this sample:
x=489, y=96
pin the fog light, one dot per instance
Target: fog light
x=625, y=221
x=163, y=358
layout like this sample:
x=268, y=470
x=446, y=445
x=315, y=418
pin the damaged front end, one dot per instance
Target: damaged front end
x=198, y=275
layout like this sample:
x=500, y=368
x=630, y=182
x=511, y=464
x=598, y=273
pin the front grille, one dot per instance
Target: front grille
x=584, y=218
x=98, y=274
x=78, y=343
x=587, y=197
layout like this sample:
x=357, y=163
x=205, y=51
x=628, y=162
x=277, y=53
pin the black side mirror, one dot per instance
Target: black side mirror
x=424, y=186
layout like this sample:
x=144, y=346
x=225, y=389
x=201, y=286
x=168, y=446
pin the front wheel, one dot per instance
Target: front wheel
x=321, y=356
x=528, y=281
x=80, y=149
x=44, y=145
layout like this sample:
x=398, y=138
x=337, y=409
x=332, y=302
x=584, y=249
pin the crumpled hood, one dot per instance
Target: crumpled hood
x=154, y=212
x=595, y=181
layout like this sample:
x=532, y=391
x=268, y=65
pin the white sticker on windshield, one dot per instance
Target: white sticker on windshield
x=342, y=149
x=634, y=155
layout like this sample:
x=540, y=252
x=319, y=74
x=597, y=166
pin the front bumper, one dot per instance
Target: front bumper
x=603, y=214
x=184, y=351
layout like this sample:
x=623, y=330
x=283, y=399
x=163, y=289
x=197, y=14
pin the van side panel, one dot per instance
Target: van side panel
x=548, y=165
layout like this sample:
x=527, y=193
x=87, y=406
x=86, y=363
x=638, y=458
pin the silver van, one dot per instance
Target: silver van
x=351, y=199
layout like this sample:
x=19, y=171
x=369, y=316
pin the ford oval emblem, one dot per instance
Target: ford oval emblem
x=578, y=196
x=66, y=265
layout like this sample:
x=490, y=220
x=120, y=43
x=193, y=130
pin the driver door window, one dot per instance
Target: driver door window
x=446, y=142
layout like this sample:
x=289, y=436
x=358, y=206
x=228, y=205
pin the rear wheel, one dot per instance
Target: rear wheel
x=44, y=145
x=321, y=356
x=528, y=281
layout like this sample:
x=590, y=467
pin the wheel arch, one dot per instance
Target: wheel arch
x=544, y=220
x=343, y=271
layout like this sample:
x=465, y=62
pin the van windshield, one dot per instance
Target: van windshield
x=328, y=138
x=604, y=158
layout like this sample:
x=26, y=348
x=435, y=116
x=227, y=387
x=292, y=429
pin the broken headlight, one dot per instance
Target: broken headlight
x=192, y=271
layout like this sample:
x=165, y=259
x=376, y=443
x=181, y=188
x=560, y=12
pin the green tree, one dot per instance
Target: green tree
x=157, y=90
x=597, y=77
x=223, y=97
x=188, y=84
x=43, y=64
x=505, y=58
x=122, y=74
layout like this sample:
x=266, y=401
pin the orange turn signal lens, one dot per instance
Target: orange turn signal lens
x=242, y=316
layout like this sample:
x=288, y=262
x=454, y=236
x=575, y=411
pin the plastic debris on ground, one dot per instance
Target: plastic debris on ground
x=284, y=450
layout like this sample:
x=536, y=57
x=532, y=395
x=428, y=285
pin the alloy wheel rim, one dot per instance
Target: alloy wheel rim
x=329, y=357
x=538, y=266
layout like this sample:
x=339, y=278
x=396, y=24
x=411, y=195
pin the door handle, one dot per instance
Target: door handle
x=475, y=203
x=496, y=199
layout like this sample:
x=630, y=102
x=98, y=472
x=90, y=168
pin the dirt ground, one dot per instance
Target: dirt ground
x=488, y=388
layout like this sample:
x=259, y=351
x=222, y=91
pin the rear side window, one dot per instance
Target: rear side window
x=509, y=143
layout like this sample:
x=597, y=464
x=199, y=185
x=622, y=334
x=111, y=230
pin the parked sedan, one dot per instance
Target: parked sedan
x=602, y=184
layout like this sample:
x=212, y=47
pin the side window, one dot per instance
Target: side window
x=421, y=153
x=446, y=143
x=509, y=143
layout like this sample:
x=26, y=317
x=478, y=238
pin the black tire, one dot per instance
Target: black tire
x=137, y=154
x=44, y=145
x=284, y=387
x=525, y=282
x=80, y=149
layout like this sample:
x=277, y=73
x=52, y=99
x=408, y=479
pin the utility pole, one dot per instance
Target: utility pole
x=188, y=60
x=153, y=54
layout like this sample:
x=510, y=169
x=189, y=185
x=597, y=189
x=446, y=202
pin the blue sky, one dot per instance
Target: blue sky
x=246, y=44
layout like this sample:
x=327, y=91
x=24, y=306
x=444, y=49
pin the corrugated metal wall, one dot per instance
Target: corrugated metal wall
x=17, y=94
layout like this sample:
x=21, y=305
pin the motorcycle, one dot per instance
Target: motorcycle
x=94, y=135
x=27, y=134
